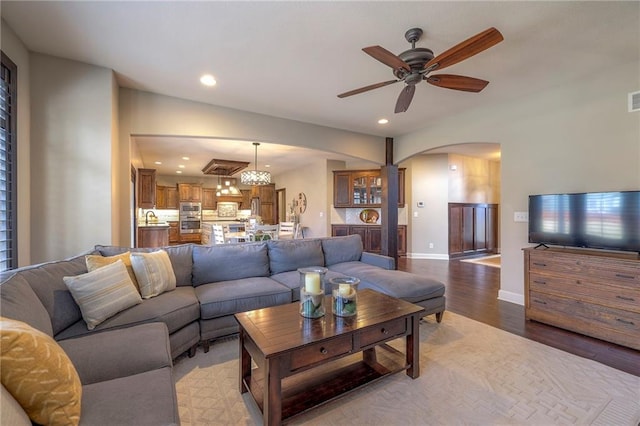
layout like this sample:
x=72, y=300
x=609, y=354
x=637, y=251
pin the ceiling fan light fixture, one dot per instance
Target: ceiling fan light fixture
x=255, y=177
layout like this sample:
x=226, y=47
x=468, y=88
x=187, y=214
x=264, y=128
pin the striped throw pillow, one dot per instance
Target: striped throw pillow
x=154, y=273
x=102, y=293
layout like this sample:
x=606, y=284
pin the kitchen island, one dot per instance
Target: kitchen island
x=153, y=234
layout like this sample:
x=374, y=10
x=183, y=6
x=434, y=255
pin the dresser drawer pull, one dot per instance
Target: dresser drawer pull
x=539, y=264
x=540, y=282
x=625, y=321
x=323, y=351
x=630, y=299
x=384, y=331
x=629, y=277
x=542, y=302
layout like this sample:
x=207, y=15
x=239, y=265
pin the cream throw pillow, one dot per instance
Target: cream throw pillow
x=95, y=261
x=154, y=273
x=103, y=293
x=39, y=374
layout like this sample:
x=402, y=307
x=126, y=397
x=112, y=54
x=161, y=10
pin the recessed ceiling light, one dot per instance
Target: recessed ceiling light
x=185, y=158
x=208, y=80
x=181, y=166
x=158, y=162
x=383, y=121
x=178, y=171
x=267, y=165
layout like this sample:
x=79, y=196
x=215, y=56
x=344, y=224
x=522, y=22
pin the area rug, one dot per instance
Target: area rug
x=493, y=260
x=471, y=373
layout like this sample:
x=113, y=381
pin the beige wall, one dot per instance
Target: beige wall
x=17, y=52
x=473, y=180
x=577, y=137
x=72, y=167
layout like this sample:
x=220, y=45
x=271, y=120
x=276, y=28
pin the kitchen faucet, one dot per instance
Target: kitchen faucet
x=146, y=216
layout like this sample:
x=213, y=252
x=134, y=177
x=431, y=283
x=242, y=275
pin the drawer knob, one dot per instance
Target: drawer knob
x=542, y=302
x=323, y=351
x=625, y=321
x=630, y=299
x=539, y=264
x=629, y=277
x=384, y=331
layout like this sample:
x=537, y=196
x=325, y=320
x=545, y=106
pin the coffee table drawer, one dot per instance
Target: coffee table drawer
x=383, y=332
x=321, y=351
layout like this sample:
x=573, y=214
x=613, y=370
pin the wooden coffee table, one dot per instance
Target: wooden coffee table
x=303, y=362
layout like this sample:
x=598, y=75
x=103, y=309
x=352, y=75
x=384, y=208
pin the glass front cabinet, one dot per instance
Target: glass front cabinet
x=362, y=188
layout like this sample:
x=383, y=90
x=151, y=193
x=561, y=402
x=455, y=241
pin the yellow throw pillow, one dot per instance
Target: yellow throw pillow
x=39, y=374
x=154, y=273
x=95, y=261
x=102, y=293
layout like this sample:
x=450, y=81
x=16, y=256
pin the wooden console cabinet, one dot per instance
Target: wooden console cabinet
x=589, y=292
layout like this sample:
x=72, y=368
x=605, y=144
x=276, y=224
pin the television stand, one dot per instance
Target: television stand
x=586, y=291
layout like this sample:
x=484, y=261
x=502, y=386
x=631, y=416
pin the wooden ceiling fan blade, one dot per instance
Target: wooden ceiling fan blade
x=366, y=88
x=386, y=57
x=466, y=49
x=457, y=82
x=404, y=100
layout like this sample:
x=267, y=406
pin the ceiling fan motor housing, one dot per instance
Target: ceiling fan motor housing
x=416, y=58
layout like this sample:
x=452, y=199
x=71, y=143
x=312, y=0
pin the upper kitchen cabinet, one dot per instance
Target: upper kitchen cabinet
x=146, y=188
x=190, y=192
x=166, y=197
x=362, y=188
x=208, y=198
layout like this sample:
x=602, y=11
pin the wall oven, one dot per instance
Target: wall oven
x=190, y=218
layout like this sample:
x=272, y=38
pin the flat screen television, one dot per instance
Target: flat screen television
x=599, y=220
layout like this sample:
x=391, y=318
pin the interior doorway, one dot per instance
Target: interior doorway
x=281, y=205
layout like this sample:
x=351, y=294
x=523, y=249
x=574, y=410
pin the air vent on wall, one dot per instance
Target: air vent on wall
x=634, y=101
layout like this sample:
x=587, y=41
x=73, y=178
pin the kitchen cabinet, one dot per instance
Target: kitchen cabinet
x=585, y=291
x=153, y=236
x=190, y=238
x=472, y=228
x=191, y=192
x=146, y=188
x=266, y=205
x=166, y=197
x=371, y=236
x=174, y=233
x=362, y=188
x=246, y=199
x=208, y=199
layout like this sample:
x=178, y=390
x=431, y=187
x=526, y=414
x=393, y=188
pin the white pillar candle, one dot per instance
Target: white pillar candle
x=312, y=282
x=344, y=289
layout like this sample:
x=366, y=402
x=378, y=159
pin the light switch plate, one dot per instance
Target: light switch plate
x=521, y=216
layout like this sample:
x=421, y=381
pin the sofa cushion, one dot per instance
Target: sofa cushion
x=95, y=261
x=103, y=293
x=19, y=302
x=229, y=262
x=180, y=256
x=39, y=374
x=176, y=309
x=154, y=273
x=147, y=398
x=342, y=249
x=410, y=287
x=289, y=255
x=230, y=297
x=46, y=281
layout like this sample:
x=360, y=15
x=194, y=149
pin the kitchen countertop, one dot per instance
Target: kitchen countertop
x=153, y=225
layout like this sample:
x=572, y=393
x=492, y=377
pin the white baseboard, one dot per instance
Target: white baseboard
x=432, y=256
x=509, y=296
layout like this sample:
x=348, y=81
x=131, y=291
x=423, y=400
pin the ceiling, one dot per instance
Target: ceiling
x=303, y=54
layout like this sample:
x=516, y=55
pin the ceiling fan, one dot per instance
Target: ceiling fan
x=415, y=64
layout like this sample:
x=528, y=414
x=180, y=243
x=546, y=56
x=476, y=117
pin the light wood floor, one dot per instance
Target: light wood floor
x=472, y=291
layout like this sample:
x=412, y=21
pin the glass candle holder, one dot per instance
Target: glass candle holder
x=344, y=292
x=312, y=291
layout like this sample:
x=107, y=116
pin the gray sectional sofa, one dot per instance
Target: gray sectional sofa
x=126, y=361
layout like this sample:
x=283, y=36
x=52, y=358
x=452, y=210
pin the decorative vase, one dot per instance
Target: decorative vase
x=312, y=291
x=344, y=293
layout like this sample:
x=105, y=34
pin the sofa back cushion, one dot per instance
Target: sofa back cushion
x=19, y=302
x=342, y=249
x=46, y=281
x=229, y=262
x=181, y=257
x=289, y=255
